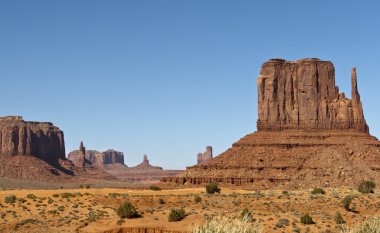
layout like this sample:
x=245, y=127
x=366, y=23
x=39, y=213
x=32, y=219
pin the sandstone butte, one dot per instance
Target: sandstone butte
x=112, y=162
x=308, y=134
x=205, y=156
x=36, y=151
x=92, y=157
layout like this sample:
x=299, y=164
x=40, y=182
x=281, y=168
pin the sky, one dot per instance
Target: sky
x=167, y=78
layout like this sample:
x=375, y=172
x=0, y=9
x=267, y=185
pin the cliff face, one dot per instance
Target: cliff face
x=38, y=139
x=309, y=134
x=302, y=95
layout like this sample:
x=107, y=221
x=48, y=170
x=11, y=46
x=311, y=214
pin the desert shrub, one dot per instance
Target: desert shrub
x=318, y=191
x=246, y=215
x=21, y=200
x=55, y=195
x=367, y=186
x=226, y=225
x=371, y=225
x=31, y=196
x=61, y=208
x=197, y=199
x=50, y=201
x=88, y=186
x=306, y=219
x=67, y=195
x=285, y=192
x=212, y=188
x=176, y=215
x=26, y=221
x=347, y=202
x=10, y=199
x=127, y=210
x=161, y=201
x=52, y=212
x=155, y=188
x=120, y=222
x=338, y=218
x=115, y=195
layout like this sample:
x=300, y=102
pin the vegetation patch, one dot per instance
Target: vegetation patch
x=176, y=215
x=127, y=210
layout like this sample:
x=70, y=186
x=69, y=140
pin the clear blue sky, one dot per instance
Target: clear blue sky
x=166, y=78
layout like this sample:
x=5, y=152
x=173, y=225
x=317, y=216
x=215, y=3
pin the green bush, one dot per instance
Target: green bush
x=338, y=218
x=246, y=215
x=347, y=202
x=10, y=199
x=212, y=188
x=318, y=191
x=127, y=210
x=155, y=188
x=367, y=186
x=197, y=199
x=176, y=215
x=306, y=219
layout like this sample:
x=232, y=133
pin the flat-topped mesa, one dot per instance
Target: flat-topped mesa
x=38, y=139
x=302, y=95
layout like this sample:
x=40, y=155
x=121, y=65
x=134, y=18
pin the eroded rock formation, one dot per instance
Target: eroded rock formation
x=94, y=157
x=39, y=139
x=204, y=157
x=303, y=95
x=309, y=134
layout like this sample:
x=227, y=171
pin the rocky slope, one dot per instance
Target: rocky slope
x=36, y=151
x=308, y=134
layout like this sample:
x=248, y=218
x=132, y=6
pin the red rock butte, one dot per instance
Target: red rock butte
x=308, y=134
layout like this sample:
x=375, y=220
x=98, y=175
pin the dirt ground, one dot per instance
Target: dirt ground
x=94, y=209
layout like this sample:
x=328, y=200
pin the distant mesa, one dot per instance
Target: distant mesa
x=145, y=165
x=81, y=157
x=308, y=134
x=35, y=151
x=202, y=158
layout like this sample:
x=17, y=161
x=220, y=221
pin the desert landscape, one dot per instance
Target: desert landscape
x=315, y=173
x=189, y=117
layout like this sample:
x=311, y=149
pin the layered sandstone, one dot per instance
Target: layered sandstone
x=39, y=139
x=205, y=156
x=96, y=158
x=308, y=134
x=303, y=95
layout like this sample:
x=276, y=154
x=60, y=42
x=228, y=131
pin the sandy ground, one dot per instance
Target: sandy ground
x=93, y=210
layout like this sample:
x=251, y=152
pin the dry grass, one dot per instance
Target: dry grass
x=226, y=225
x=371, y=225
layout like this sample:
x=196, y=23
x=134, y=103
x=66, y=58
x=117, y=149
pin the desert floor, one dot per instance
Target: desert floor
x=94, y=209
